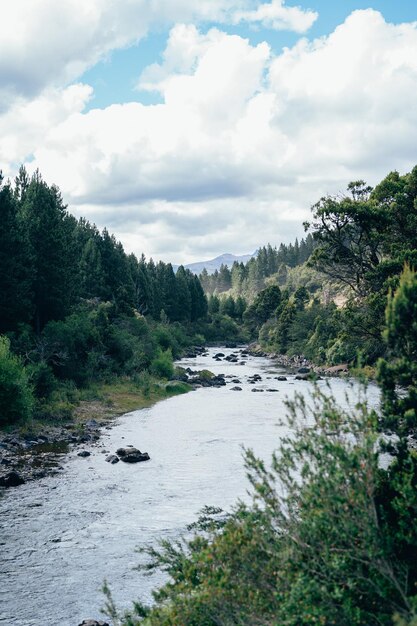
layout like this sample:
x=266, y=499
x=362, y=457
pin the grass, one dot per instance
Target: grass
x=100, y=401
x=122, y=396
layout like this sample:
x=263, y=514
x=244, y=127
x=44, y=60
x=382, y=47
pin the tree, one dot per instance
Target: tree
x=183, y=295
x=52, y=250
x=398, y=373
x=264, y=305
x=348, y=231
x=227, y=306
x=15, y=270
x=16, y=399
x=91, y=270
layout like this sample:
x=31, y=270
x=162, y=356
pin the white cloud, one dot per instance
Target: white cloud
x=45, y=42
x=242, y=144
x=279, y=17
x=49, y=43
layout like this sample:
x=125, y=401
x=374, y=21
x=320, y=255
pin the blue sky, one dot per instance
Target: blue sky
x=248, y=112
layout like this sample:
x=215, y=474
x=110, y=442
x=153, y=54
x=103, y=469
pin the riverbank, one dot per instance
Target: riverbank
x=296, y=363
x=35, y=448
x=61, y=530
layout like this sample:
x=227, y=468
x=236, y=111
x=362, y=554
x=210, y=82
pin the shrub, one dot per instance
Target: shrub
x=313, y=547
x=16, y=397
x=42, y=379
x=162, y=364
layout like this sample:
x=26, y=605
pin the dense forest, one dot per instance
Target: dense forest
x=329, y=536
x=75, y=308
x=247, y=279
x=327, y=302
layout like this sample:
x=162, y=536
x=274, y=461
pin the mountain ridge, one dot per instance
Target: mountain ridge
x=211, y=265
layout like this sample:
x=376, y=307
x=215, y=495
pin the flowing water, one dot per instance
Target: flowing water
x=62, y=535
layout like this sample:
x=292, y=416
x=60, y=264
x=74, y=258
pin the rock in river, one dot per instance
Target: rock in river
x=84, y=453
x=11, y=479
x=132, y=455
x=235, y=388
x=112, y=458
x=93, y=622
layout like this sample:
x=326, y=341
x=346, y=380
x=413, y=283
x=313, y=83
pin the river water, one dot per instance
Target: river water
x=62, y=535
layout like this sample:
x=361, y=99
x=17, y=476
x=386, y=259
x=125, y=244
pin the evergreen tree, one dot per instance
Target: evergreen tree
x=51, y=246
x=15, y=270
x=183, y=295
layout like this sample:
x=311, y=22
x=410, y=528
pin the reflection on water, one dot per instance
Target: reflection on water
x=62, y=535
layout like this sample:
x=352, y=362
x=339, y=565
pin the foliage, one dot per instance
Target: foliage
x=264, y=305
x=50, y=262
x=16, y=399
x=162, y=365
x=311, y=548
x=249, y=279
x=329, y=536
x=399, y=370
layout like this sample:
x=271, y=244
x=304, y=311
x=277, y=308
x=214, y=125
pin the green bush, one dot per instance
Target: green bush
x=315, y=550
x=162, y=365
x=16, y=397
x=42, y=379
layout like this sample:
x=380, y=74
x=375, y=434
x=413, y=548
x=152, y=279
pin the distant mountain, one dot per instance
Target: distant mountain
x=214, y=264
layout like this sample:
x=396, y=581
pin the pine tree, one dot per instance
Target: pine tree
x=15, y=271
x=52, y=247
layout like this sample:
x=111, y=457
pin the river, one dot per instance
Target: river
x=62, y=535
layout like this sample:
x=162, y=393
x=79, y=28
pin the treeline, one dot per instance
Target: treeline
x=75, y=308
x=50, y=261
x=361, y=243
x=247, y=279
x=329, y=536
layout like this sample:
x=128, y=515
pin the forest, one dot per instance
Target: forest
x=76, y=309
x=329, y=535
x=325, y=297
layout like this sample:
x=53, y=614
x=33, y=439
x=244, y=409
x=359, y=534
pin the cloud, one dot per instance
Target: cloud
x=277, y=16
x=242, y=143
x=47, y=43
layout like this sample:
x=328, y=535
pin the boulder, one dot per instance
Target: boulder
x=302, y=377
x=93, y=622
x=273, y=390
x=132, y=455
x=218, y=355
x=112, y=458
x=257, y=390
x=303, y=370
x=281, y=378
x=84, y=453
x=11, y=479
x=237, y=389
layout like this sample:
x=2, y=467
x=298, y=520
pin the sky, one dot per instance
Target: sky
x=190, y=129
